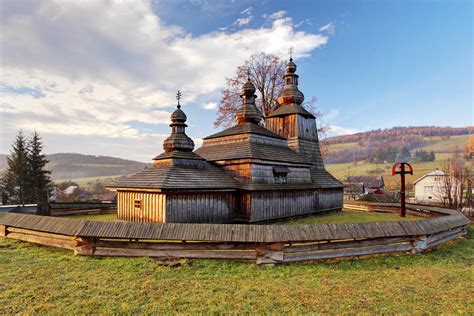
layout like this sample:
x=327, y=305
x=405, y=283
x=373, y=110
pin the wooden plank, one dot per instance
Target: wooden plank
x=345, y=253
x=346, y=244
x=269, y=253
x=37, y=233
x=174, y=246
x=191, y=254
x=445, y=239
x=47, y=241
x=3, y=231
x=83, y=246
x=435, y=237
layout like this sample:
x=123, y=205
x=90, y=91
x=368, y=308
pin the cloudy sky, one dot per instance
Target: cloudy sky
x=100, y=77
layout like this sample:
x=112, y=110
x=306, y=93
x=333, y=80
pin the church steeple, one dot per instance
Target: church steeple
x=248, y=112
x=290, y=93
x=178, y=140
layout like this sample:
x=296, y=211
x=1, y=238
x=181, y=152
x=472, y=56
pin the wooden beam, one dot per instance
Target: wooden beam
x=270, y=253
x=47, y=241
x=445, y=239
x=191, y=254
x=3, y=231
x=346, y=244
x=174, y=245
x=38, y=233
x=83, y=246
x=345, y=253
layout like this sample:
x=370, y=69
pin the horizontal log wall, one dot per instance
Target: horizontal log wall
x=261, y=253
x=49, y=232
x=152, y=206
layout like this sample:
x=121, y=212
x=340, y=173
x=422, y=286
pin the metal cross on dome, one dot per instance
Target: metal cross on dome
x=290, y=51
x=248, y=73
x=178, y=97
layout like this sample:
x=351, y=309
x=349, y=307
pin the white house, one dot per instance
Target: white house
x=431, y=187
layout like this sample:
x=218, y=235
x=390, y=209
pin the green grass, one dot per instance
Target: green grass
x=348, y=216
x=36, y=279
x=454, y=143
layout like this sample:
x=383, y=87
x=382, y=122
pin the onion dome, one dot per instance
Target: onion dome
x=290, y=93
x=290, y=67
x=248, y=112
x=178, y=140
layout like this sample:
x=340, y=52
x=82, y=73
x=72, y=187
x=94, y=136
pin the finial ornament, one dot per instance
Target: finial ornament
x=248, y=73
x=178, y=97
x=290, y=51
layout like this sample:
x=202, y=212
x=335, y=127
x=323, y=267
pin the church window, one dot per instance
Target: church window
x=137, y=204
x=280, y=174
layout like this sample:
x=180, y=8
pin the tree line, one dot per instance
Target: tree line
x=380, y=134
x=26, y=180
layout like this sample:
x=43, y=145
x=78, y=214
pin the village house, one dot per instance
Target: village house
x=431, y=188
x=367, y=184
x=248, y=172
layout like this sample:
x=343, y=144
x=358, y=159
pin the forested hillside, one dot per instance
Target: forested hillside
x=72, y=166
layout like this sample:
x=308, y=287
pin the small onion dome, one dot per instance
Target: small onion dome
x=248, y=88
x=290, y=67
x=178, y=141
x=178, y=116
x=248, y=112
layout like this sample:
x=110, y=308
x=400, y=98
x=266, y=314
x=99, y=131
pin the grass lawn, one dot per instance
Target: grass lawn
x=349, y=216
x=346, y=216
x=37, y=279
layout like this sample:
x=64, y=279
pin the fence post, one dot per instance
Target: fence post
x=269, y=253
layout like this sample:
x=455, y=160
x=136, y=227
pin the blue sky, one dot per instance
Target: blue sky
x=100, y=77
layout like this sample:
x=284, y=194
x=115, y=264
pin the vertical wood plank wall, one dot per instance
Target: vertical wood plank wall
x=196, y=207
x=268, y=205
x=330, y=199
x=153, y=206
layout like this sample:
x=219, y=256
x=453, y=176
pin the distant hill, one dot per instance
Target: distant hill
x=65, y=166
x=372, y=144
x=383, y=134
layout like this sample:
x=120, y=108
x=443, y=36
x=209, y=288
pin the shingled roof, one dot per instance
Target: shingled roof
x=323, y=179
x=204, y=176
x=250, y=149
x=247, y=128
x=290, y=109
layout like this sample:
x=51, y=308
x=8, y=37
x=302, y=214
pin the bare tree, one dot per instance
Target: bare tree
x=266, y=72
x=455, y=188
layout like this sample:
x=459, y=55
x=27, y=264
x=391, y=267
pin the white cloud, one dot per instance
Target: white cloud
x=339, y=130
x=276, y=15
x=300, y=23
x=209, y=106
x=329, y=28
x=100, y=66
x=247, y=11
x=243, y=21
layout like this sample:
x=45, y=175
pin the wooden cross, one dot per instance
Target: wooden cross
x=178, y=97
x=399, y=168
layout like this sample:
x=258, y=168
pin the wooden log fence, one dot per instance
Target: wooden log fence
x=263, y=244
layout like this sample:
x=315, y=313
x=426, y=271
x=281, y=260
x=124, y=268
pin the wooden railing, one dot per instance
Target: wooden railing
x=264, y=244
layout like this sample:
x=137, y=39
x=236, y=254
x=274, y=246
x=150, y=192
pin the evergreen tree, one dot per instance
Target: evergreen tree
x=39, y=177
x=16, y=177
x=432, y=156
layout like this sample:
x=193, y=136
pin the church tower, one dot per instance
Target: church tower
x=292, y=121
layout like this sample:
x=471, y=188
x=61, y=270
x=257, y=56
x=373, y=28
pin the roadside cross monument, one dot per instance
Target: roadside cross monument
x=402, y=168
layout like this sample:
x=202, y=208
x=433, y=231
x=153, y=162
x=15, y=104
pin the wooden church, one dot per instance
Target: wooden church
x=248, y=172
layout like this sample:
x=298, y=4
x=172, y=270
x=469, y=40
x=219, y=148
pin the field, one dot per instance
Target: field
x=443, y=149
x=37, y=279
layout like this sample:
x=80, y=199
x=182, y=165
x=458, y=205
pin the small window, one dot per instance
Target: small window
x=280, y=174
x=428, y=189
x=137, y=204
